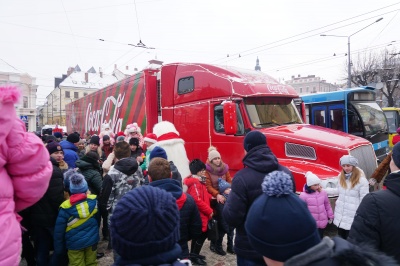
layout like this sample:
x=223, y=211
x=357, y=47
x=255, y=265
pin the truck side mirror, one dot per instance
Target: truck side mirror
x=230, y=119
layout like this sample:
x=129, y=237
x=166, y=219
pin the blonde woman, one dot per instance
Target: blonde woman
x=352, y=187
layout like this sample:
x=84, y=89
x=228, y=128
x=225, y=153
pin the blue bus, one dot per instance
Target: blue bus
x=353, y=111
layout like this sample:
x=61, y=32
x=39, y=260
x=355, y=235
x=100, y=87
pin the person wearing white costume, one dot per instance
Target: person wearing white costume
x=168, y=138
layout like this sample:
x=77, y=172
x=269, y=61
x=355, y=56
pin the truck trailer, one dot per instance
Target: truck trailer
x=218, y=105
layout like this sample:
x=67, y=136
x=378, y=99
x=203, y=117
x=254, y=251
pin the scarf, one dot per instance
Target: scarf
x=217, y=170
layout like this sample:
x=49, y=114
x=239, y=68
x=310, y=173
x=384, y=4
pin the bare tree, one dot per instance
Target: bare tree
x=364, y=71
x=381, y=67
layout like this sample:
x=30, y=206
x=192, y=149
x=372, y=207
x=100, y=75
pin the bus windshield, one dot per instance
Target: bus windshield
x=270, y=113
x=372, y=116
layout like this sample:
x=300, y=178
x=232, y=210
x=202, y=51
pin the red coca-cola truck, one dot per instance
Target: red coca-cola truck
x=218, y=105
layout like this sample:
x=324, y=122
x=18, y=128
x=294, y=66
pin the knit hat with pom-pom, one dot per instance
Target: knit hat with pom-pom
x=213, y=153
x=145, y=224
x=279, y=224
x=77, y=183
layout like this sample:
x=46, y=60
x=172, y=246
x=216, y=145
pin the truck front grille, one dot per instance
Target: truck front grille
x=300, y=151
x=366, y=159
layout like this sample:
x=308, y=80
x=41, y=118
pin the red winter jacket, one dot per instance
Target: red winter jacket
x=202, y=198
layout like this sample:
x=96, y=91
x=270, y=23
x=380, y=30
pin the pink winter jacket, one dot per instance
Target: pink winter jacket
x=319, y=206
x=25, y=171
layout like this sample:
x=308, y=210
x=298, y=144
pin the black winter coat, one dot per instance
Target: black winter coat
x=44, y=212
x=377, y=220
x=190, y=221
x=246, y=187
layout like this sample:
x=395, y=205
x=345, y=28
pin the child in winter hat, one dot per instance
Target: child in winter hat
x=279, y=224
x=317, y=202
x=77, y=183
x=224, y=187
x=76, y=226
x=145, y=227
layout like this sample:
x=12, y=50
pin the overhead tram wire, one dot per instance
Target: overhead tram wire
x=291, y=37
x=384, y=28
x=315, y=61
x=282, y=44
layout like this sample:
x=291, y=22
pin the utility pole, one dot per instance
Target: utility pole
x=348, y=49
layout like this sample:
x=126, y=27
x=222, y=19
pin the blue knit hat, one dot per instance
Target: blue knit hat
x=279, y=224
x=77, y=183
x=145, y=223
x=222, y=185
x=253, y=139
x=158, y=152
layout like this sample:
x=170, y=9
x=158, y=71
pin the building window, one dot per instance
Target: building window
x=301, y=90
x=25, y=101
x=307, y=89
x=76, y=94
x=84, y=94
x=67, y=94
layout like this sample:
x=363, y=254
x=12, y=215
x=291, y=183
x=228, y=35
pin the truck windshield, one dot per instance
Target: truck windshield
x=372, y=116
x=264, y=112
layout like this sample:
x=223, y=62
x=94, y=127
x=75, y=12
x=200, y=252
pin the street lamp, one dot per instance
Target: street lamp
x=348, y=47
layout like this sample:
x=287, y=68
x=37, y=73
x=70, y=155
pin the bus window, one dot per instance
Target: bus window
x=355, y=125
x=319, y=118
x=336, y=119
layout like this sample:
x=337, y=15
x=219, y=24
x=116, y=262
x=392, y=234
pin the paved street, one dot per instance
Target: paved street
x=211, y=258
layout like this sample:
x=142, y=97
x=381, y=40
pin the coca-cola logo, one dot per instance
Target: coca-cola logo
x=95, y=118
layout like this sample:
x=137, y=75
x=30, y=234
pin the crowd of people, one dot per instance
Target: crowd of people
x=62, y=193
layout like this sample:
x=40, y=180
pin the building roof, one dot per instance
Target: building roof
x=94, y=80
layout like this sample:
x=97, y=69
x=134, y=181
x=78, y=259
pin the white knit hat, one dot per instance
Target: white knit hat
x=213, y=153
x=348, y=159
x=312, y=179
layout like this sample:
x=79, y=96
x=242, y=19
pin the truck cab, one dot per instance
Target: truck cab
x=255, y=101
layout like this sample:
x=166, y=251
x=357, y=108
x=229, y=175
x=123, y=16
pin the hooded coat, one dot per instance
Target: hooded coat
x=202, y=198
x=117, y=182
x=190, y=222
x=70, y=153
x=319, y=206
x=90, y=170
x=25, y=171
x=246, y=187
x=377, y=219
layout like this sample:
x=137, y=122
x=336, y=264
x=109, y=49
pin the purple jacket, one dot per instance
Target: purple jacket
x=319, y=206
x=25, y=171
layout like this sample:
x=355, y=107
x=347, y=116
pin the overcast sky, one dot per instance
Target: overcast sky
x=44, y=37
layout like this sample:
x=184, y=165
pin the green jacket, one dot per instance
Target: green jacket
x=92, y=176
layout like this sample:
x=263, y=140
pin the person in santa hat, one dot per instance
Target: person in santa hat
x=149, y=140
x=168, y=138
x=134, y=131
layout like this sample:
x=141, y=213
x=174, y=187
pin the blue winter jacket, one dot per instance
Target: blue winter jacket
x=70, y=153
x=246, y=187
x=76, y=226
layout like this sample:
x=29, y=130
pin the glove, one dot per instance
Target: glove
x=330, y=221
x=372, y=181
